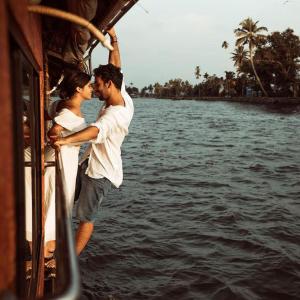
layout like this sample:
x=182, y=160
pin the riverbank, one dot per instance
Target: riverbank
x=254, y=100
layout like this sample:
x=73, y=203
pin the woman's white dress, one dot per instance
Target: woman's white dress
x=28, y=194
x=69, y=165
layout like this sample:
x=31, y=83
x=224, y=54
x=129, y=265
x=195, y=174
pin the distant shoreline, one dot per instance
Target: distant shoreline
x=255, y=100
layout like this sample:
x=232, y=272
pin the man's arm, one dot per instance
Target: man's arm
x=114, y=55
x=84, y=135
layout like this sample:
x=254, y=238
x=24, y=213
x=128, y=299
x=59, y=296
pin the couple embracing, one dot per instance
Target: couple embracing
x=101, y=164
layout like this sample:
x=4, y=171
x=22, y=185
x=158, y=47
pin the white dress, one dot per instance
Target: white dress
x=28, y=194
x=69, y=165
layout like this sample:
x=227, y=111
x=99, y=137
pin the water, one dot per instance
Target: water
x=209, y=208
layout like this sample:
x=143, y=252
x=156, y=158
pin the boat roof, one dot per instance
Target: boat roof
x=68, y=44
x=107, y=12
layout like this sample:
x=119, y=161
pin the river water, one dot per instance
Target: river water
x=209, y=207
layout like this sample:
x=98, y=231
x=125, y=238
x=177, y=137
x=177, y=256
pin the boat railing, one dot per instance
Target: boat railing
x=67, y=282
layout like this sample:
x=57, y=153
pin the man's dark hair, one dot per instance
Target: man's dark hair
x=71, y=81
x=110, y=72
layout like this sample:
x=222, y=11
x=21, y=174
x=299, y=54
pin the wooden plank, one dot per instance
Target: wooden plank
x=29, y=31
x=30, y=25
x=7, y=212
x=107, y=12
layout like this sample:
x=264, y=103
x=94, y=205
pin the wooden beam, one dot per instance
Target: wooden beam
x=7, y=212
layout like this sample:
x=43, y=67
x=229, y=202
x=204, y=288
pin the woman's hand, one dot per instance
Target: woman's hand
x=57, y=141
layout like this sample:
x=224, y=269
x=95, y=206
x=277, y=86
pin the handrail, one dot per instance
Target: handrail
x=67, y=283
x=47, y=164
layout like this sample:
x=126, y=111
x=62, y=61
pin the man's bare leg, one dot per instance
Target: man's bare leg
x=83, y=235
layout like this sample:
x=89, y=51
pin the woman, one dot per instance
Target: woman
x=67, y=119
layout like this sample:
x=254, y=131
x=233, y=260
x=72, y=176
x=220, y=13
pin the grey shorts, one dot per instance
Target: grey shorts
x=90, y=192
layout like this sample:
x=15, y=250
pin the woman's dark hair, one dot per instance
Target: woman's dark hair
x=110, y=72
x=71, y=81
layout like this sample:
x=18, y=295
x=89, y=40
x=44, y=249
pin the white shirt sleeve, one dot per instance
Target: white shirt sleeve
x=107, y=124
x=123, y=90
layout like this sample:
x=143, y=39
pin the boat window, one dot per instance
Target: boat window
x=28, y=170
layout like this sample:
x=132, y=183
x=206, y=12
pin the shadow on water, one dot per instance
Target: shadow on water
x=283, y=109
x=278, y=108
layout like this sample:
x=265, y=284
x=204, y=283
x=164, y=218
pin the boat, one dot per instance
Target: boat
x=38, y=41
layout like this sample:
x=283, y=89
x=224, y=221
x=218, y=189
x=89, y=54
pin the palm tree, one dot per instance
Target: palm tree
x=197, y=72
x=225, y=45
x=239, y=56
x=157, y=89
x=250, y=34
x=150, y=88
x=186, y=88
x=229, y=79
x=144, y=91
x=198, y=75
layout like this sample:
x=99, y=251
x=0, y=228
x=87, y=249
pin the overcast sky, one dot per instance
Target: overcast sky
x=177, y=35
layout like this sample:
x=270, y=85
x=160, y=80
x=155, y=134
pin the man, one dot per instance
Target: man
x=101, y=165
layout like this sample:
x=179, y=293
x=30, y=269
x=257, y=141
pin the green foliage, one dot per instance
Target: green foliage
x=132, y=90
x=270, y=63
x=251, y=35
x=277, y=62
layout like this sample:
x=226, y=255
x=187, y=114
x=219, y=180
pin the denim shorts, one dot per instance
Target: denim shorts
x=90, y=192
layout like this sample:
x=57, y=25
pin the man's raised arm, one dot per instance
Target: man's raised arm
x=114, y=55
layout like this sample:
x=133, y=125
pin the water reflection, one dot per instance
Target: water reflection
x=285, y=109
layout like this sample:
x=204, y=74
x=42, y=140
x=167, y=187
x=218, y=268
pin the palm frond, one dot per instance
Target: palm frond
x=261, y=29
x=241, y=41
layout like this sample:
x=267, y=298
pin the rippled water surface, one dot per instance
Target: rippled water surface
x=209, y=208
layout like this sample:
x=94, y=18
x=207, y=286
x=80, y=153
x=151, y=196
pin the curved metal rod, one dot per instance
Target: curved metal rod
x=49, y=11
x=67, y=284
x=56, y=86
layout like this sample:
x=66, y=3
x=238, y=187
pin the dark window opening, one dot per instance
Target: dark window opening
x=27, y=145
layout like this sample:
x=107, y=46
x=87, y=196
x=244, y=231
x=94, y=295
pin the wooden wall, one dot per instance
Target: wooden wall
x=7, y=225
x=30, y=28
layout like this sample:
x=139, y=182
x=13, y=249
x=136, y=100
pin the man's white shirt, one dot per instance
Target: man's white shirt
x=105, y=150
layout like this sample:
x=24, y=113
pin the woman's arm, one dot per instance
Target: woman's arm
x=55, y=130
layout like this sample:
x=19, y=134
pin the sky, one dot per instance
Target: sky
x=166, y=39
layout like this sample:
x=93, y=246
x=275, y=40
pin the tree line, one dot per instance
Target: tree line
x=266, y=65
